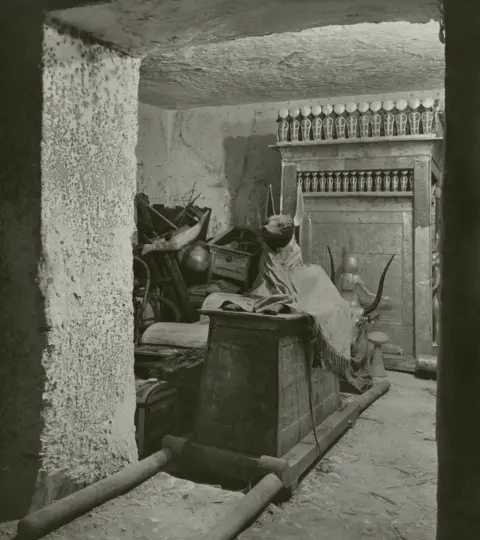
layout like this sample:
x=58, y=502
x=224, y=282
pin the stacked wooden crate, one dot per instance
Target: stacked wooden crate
x=234, y=257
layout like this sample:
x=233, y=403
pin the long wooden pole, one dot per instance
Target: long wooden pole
x=246, y=510
x=458, y=393
x=162, y=217
x=61, y=512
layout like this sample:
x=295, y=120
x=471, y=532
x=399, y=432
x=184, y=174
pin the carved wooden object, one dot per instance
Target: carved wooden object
x=372, y=195
x=373, y=182
x=255, y=390
x=364, y=120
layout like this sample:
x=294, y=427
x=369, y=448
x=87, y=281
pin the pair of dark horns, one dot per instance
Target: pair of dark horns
x=373, y=306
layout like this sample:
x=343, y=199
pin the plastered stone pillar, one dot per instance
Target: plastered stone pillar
x=68, y=122
x=458, y=412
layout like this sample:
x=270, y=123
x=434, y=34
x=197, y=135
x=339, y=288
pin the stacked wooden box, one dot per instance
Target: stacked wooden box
x=234, y=257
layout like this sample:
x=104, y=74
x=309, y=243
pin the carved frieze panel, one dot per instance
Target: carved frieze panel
x=364, y=120
x=376, y=182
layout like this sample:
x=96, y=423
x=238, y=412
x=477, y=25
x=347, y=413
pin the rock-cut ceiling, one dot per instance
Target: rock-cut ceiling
x=225, y=52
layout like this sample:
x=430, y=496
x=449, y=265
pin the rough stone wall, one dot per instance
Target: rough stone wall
x=224, y=151
x=66, y=377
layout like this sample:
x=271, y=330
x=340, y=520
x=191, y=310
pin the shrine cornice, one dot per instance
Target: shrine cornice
x=359, y=140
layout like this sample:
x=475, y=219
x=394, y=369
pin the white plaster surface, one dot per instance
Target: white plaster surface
x=90, y=120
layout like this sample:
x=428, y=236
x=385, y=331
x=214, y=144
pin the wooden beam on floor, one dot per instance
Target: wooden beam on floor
x=395, y=362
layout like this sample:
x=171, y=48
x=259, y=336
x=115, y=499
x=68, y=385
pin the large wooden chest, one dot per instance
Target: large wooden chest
x=155, y=415
x=254, y=396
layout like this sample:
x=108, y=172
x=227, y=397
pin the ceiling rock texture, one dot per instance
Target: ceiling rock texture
x=226, y=52
x=317, y=63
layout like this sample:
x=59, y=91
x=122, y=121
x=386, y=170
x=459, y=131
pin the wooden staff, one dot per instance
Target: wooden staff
x=167, y=221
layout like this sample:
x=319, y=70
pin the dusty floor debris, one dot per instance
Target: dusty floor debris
x=378, y=482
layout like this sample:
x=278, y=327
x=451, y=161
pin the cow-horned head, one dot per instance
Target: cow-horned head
x=366, y=314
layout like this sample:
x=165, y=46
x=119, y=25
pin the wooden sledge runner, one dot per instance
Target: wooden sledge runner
x=254, y=416
x=250, y=364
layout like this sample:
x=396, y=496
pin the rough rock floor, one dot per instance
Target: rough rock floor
x=378, y=482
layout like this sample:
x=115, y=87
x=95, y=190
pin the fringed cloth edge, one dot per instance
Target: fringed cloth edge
x=357, y=378
x=324, y=354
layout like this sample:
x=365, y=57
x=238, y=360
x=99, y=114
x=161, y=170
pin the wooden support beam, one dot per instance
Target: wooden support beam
x=458, y=395
x=395, y=362
x=292, y=465
x=193, y=457
x=426, y=364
